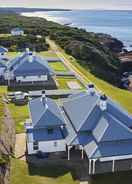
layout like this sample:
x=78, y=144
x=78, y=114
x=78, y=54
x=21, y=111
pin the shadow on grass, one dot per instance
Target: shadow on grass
x=53, y=169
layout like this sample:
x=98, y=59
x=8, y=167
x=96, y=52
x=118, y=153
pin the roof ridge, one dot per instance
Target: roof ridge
x=78, y=97
x=105, y=129
x=120, y=123
x=85, y=118
x=40, y=115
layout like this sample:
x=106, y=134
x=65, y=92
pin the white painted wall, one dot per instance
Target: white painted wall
x=2, y=69
x=8, y=75
x=32, y=78
x=48, y=146
x=17, y=33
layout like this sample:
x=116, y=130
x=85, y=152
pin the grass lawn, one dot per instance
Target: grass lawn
x=58, y=66
x=19, y=114
x=5, y=35
x=3, y=89
x=49, y=54
x=62, y=82
x=22, y=174
x=12, y=55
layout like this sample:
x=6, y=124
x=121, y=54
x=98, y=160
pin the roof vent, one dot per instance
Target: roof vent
x=91, y=89
x=103, y=102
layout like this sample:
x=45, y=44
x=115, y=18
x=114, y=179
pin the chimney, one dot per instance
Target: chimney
x=103, y=102
x=34, y=53
x=91, y=89
x=44, y=99
x=27, y=50
x=43, y=94
x=30, y=57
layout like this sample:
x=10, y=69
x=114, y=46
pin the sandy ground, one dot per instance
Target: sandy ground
x=20, y=146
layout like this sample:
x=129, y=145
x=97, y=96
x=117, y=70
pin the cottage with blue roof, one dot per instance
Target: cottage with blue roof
x=95, y=126
x=29, y=69
x=17, y=31
x=46, y=131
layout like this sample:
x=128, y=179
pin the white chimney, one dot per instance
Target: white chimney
x=34, y=53
x=27, y=50
x=91, y=89
x=30, y=57
x=103, y=102
x=43, y=95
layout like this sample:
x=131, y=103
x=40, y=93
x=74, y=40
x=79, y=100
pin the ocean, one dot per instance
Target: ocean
x=116, y=23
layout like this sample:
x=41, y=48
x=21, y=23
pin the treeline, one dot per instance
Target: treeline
x=94, y=51
x=89, y=51
x=19, y=43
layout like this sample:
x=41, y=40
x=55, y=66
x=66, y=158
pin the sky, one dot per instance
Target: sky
x=71, y=4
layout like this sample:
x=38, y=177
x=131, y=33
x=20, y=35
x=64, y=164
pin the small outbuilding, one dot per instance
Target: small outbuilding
x=17, y=31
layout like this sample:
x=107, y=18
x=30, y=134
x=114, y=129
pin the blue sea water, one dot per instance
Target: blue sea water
x=116, y=23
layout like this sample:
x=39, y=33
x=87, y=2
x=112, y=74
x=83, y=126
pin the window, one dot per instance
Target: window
x=55, y=144
x=50, y=131
x=35, y=145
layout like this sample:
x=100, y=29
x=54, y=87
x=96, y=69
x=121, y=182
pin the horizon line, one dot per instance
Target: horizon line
x=101, y=9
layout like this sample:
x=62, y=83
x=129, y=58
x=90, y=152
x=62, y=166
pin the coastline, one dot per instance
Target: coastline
x=90, y=24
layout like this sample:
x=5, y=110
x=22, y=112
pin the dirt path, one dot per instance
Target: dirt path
x=20, y=146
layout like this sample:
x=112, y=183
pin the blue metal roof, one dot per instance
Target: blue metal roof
x=45, y=113
x=3, y=50
x=109, y=149
x=43, y=135
x=27, y=64
x=82, y=139
x=35, y=66
x=94, y=127
x=78, y=109
x=102, y=133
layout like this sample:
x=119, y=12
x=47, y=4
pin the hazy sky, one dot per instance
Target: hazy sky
x=78, y=4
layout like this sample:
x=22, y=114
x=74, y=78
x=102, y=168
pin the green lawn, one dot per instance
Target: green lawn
x=5, y=35
x=19, y=114
x=55, y=174
x=58, y=66
x=62, y=82
x=12, y=55
x=49, y=54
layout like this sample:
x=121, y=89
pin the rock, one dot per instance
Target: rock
x=113, y=44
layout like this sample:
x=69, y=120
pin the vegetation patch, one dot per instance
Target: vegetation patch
x=19, y=114
x=19, y=43
x=49, y=54
x=63, y=82
x=58, y=66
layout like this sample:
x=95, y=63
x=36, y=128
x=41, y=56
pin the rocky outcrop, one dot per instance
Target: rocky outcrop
x=113, y=44
x=7, y=142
